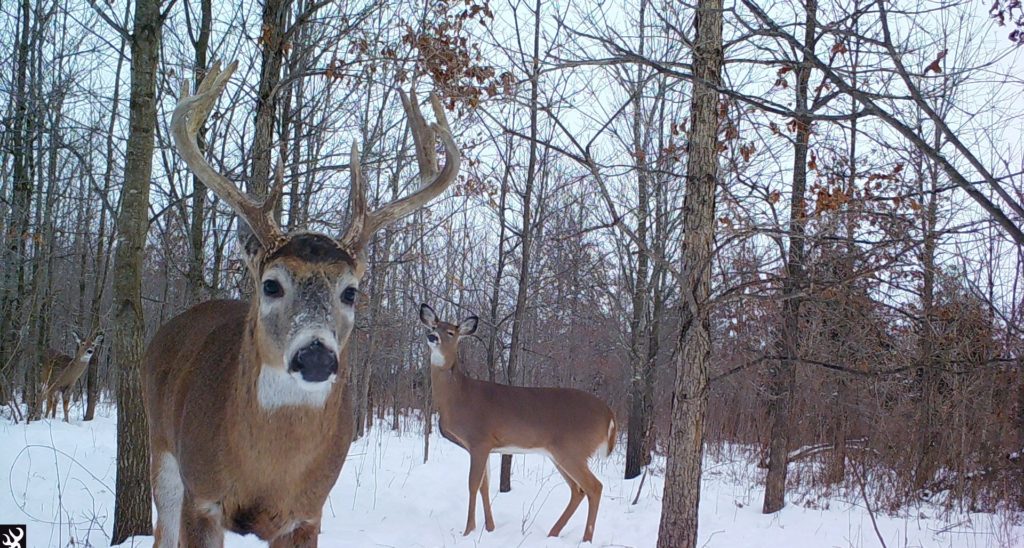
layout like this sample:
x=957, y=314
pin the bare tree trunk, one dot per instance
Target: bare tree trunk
x=519, y=315
x=638, y=324
x=783, y=377
x=840, y=423
x=639, y=338
x=45, y=256
x=197, y=246
x=275, y=15
x=428, y=170
x=13, y=289
x=493, y=340
x=92, y=375
x=132, y=508
x=102, y=246
x=219, y=243
x=363, y=415
x=428, y=399
x=678, y=528
x=927, y=374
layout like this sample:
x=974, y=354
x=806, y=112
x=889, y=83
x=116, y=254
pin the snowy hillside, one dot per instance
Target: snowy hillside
x=61, y=476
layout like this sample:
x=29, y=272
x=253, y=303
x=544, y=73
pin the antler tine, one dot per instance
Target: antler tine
x=357, y=199
x=358, y=237
x=435, y=103
x=189, y=115
x=422, y=136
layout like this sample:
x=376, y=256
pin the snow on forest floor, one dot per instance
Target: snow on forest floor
x=60, y=482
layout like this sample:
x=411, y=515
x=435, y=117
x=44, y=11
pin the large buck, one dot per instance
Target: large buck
x=60, y=372
x=248, y=403
x=569, y=426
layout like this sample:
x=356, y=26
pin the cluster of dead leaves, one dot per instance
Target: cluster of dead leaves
x=269, y=38
x=829, y=199
x=1012, y=12
x=456, y=66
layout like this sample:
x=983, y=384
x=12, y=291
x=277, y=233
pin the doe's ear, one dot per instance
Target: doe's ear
x=98, y=340
x=78, y=338
x=427, y=316
x=468, y=326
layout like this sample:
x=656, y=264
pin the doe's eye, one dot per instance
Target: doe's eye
x=272, y=288
x=349, y=295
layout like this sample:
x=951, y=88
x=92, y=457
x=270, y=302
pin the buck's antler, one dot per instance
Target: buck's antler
x=363, y=224
x=12, y=541
x=189, y=115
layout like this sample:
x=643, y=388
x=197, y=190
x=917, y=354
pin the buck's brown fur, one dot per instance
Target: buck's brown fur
x=483, y=417
x=263, y=485
x=248, y=404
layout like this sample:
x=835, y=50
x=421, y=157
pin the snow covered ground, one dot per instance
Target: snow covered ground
x=60, y=481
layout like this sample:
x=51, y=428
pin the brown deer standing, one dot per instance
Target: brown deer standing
x=248, y=403
x=569, y=426
x=61, y=372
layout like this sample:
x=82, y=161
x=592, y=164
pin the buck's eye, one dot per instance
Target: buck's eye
x=349, y=295
x=272, y=288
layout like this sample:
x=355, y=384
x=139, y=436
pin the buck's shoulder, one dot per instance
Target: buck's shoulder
x=208, y=327
x=206, y=316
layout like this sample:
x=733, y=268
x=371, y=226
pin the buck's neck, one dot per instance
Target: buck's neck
x=250, y=364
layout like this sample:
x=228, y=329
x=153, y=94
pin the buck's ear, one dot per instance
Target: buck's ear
x=427, y=316
x=251, y=246
x=468, y=326
x=78, y=339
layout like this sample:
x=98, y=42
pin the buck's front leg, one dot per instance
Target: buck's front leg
x=303, y=536
x=201, y=523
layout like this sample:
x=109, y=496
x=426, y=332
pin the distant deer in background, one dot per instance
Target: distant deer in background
x=61, y=372
x=567, y=425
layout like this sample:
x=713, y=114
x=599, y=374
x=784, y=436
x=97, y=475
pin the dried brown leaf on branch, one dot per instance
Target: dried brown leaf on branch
x=935, y=65
x=747, y=150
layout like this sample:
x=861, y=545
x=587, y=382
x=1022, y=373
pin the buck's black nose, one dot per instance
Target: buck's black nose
x=432, y=338
x=316, y=363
